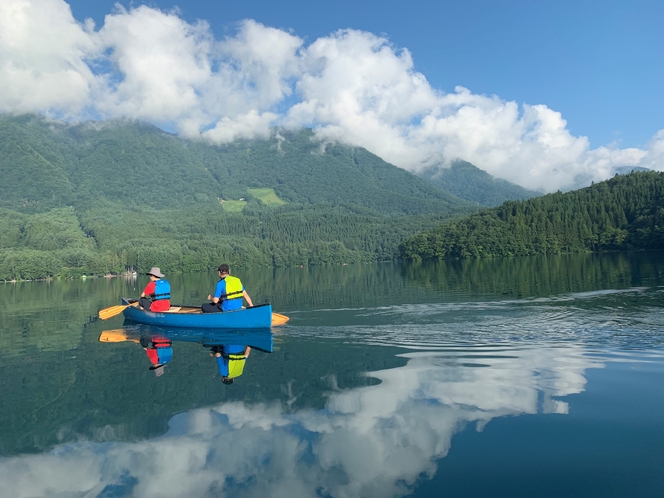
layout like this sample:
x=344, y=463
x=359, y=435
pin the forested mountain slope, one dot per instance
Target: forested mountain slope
x=625, y=212
x=48, y=164
x=108, y=197
x=470, y=183
x=303, y=170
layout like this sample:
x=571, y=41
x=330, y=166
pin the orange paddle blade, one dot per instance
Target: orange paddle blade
x=278, y=319
x=117, y=335
x=111, y=311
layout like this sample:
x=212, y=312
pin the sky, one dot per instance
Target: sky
x=549, y=95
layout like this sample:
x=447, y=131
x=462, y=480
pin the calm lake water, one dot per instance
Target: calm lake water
x=529, y=377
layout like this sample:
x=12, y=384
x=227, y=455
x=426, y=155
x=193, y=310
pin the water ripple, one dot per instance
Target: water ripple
x=622, y=319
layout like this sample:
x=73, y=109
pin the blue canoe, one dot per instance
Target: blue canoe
x=260, y=339
x=256, y=317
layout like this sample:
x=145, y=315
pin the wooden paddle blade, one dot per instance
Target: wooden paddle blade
x=112, y=311
x=278, y=319
x=117, y=335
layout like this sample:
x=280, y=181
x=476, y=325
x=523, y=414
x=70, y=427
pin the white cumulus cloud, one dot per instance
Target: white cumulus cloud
x=351, y=86
x=370, y=441
x=44, y=57
x=164, y=65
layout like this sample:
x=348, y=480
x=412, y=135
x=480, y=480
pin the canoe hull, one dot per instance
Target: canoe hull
x=259, y=339
x=256, y=317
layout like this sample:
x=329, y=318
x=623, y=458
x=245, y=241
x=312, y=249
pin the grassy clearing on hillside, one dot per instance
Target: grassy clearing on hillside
x=234, y=206
x=267, y=196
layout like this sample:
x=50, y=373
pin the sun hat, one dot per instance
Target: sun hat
x=158, y=370
x=155, y=271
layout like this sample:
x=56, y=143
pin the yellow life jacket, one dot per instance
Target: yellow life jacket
x=233, y=288
x=235, y=364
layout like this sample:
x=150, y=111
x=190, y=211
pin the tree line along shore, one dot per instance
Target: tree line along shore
x=96, y=199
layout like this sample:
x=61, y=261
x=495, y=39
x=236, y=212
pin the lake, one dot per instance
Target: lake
x=521, y=377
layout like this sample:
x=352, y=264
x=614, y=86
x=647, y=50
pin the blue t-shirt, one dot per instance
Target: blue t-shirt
x=227, y=304
x=222, y=361
x=165, y=354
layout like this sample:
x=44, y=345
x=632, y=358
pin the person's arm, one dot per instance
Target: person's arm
x=246, y=296
x=247, y=350
x=149, y=290
x=217, y=293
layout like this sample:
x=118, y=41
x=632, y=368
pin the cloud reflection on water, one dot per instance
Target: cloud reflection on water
x=370, y=441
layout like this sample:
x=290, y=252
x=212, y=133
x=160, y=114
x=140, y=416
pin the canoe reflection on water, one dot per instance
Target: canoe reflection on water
x=230, y=349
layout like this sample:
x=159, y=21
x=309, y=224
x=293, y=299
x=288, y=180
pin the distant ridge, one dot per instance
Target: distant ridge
x=625, y=170
x=470, y=183
x=47, y=164
x=623, y=213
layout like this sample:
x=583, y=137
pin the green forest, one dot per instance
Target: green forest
x=46, y=164
x=109, y=197
x=623, y=213
x=113, y=239
x=116, y=196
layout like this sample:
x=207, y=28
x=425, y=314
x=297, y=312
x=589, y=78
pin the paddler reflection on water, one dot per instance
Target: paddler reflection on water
x=228, y=293
x=231, y=359
x=159, y=350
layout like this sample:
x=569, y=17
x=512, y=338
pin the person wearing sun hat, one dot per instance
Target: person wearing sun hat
x=159, y=350
x=157, y=294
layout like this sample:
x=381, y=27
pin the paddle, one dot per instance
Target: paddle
x=278, y=319
x=115, y=335
x=111, y=311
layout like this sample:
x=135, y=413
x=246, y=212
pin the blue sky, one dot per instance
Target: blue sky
x=599, y=63
x=546, y=94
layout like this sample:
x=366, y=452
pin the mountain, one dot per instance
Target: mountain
x=106, y=197
x=625, y=170
x=625, y=212
x=33, y=164
x=470, y=183
x=48, y=164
